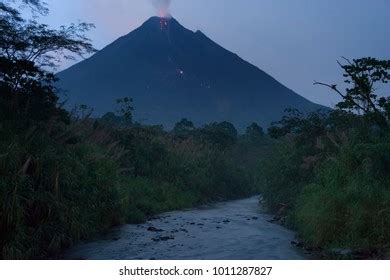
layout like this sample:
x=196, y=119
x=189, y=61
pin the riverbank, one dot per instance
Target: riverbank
x=320, y=253
x=57, y=191
x=331, y=174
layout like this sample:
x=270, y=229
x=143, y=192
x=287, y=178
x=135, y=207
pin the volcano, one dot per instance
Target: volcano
x=173, y=73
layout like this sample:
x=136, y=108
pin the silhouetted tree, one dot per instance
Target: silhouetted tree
x=222, y=135
x=125, y=110
x=184, y=128
x=254, y=132
x=27, y=50
x=363, y=75
x=290, y=123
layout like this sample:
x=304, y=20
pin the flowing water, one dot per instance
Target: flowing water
x=224, y=231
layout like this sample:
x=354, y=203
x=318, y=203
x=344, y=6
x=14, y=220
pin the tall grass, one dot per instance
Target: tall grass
x=52, y=195
x=348, y=204
x=61, y=184
x=337, y=187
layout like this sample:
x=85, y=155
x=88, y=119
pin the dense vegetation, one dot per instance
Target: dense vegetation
x=65, y=177
x=67, y=184
x=333, y=170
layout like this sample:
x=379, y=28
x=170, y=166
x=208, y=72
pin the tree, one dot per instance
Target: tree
x=254, y=132
x=363, y=75
x=27, y=50
x=28, y=40
x=304, y=129
x=222, y=135
x=125, y=110
x=291, y=123
x=124, y=116
x=184, y=128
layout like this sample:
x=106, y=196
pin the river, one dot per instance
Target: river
x=237, y=230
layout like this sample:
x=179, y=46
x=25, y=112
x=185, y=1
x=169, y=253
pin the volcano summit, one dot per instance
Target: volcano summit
x=174, y=73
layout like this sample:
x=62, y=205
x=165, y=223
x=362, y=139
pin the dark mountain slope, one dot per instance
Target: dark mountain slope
x=171, y=73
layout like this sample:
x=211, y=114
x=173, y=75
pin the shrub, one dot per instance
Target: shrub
x=348, y=205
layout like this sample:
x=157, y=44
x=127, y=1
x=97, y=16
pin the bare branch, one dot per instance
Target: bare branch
x=334, y=88
x=347, y=60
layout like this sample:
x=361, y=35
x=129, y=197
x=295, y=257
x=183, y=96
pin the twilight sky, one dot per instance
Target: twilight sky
x=296, y=41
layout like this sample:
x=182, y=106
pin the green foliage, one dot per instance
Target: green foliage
x=66, y=177
x=347, y=205
x=332, y=170
x=221, y=135
x=254, y=133
x=52, y=196
x=335, y=181
x=27, y=50
x=184, y=128
x=126, y=109
x=67, y=184
x=25, y=40
x=281, y=177
x=41, y=177
x=363, y=76
x=148, y=197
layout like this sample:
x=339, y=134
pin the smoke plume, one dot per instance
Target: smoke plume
x=162, y=7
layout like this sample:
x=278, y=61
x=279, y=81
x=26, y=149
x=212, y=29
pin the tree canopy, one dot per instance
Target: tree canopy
x=363, y=77
x=29, y=52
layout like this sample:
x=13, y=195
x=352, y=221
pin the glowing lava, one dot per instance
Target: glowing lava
x=163, y=22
